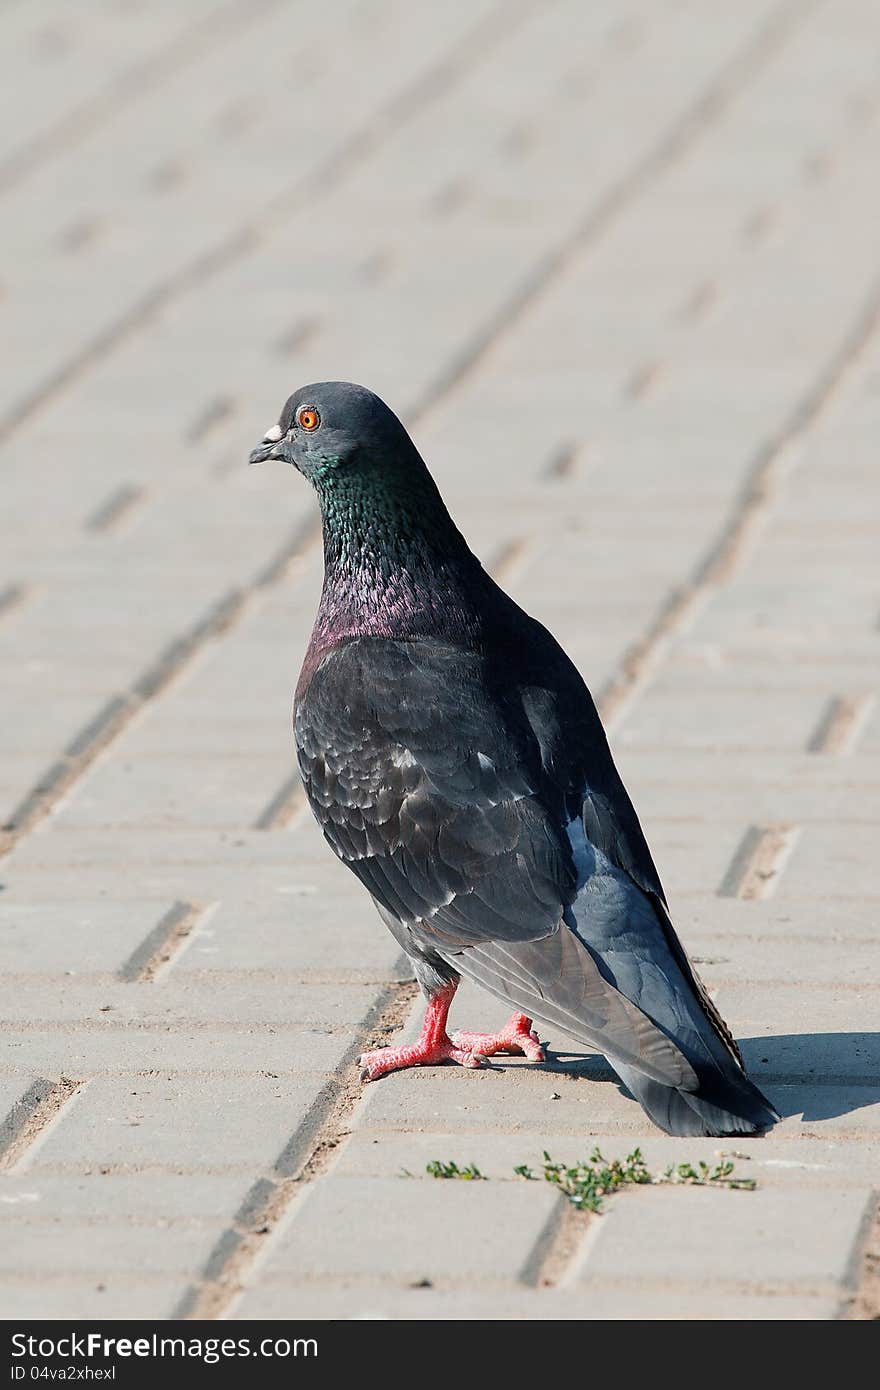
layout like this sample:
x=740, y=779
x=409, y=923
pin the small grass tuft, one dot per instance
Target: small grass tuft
x=588, y=1182
x=704, y=1176
x=470, y=1173
x=523, y=1170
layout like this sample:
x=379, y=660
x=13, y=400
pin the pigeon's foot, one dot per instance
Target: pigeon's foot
x=376, y=1064
x=434, y=1044
x=517, y=1035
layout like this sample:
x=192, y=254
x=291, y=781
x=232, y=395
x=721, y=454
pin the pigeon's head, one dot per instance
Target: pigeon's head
x=332, y=427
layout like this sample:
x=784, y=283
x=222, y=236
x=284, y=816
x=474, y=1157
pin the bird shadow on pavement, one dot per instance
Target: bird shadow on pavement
x=815, y=1075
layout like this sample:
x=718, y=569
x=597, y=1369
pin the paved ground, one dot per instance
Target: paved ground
x=617, y=265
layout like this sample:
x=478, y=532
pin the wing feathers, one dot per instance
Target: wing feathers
x=556, y=981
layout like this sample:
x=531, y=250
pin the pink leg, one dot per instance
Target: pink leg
x=517, y=1035
x=434, y=1044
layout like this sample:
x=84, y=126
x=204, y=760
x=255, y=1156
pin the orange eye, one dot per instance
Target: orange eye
x=308, y=418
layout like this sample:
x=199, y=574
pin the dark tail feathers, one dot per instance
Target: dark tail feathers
x=723, y=1105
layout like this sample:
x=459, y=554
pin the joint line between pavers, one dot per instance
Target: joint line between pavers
x=559, y=1246
x=161, y=948
x=116, y=508
x=294, y=339
x=842, y=724
x=286, y=808
x=215, y=416
x=13, y=596
x=563, y=461
x=31, y=1119
x=644, y=380
x=509, y=558
x=758, y=863
x=863, y=1269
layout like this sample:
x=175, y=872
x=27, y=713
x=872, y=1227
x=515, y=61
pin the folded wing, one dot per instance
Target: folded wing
x=431, y=787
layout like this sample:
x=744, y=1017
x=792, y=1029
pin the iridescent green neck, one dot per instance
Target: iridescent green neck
x=388, y=521
x=395, y=564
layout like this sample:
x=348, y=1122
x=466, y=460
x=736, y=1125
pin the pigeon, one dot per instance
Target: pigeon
x=456, y=764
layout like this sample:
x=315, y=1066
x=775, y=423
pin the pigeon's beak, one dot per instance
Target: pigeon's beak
x=270, y=447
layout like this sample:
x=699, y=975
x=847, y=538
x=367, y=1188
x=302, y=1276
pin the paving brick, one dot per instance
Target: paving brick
x=839, y=873
x=724, y=960
x=763, y=1239
x=759, y=789
x=215, y=999
x=298, y=931
x=74, y=937
x=96, y=1196
x=516, y=1098
x=845, y=1111
x=280, y=1300
x=177, y=1122
x=699, y=916
x=288, y=928
x=129, y=1047
x=103, y=1295
x=150, y=853
x=91, y=1251
x=175, y=790
x=340, y=1231
x=807, y=1031
x=724, y=720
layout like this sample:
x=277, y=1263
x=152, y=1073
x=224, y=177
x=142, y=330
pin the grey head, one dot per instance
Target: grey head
x=332, y=425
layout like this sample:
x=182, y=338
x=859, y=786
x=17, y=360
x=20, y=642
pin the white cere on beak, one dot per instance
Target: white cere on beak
x=273, y=435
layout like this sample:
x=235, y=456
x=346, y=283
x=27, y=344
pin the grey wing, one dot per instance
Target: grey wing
x=429, y=792
x=557, y=981
x=613, y=835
